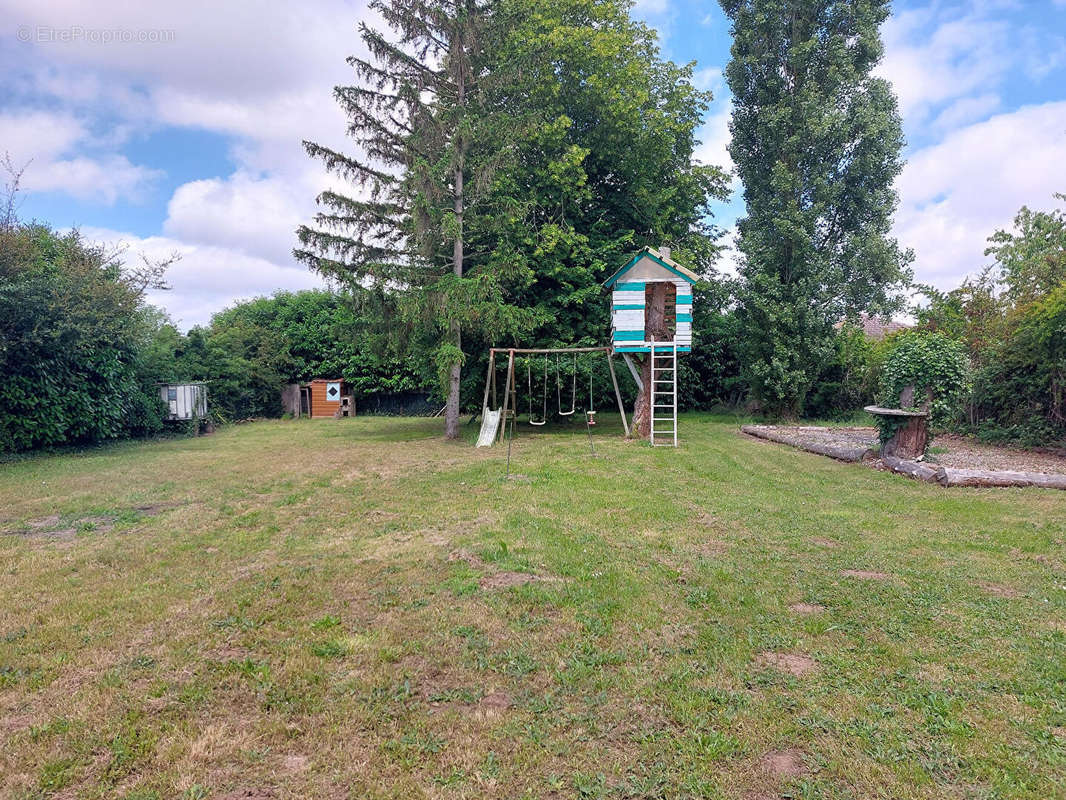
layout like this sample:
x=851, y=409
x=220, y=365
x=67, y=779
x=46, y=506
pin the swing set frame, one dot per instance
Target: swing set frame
x=510, y=388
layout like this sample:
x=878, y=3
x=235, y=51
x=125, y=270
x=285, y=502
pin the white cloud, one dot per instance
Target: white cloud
x=44, y=142
x=709, y=78
x=966, y=110
x=207, y=279
x=38, y=134
x=931, y=59
x=260, y=72
x=103, y=180
x=256, y=216
x=714, y=139
x=956, y=193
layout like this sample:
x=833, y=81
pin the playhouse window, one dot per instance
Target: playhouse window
x=669, y=309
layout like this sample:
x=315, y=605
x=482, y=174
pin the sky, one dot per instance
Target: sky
x=177, y=127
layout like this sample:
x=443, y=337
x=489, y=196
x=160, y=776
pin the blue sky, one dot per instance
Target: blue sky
x=151, y=128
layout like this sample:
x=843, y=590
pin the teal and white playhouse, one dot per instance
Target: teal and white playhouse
x=632, y=290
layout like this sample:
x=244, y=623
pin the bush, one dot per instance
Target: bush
x=928, y=362
x=72, y=326
x=842, y=386
x=1020, y=390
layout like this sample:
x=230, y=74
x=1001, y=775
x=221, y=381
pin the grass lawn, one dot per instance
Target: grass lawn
x=346, y=610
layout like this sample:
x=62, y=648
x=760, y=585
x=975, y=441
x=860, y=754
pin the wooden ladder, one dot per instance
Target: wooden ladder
x=664, y=388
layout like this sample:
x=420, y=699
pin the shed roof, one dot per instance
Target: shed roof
x=659, y=258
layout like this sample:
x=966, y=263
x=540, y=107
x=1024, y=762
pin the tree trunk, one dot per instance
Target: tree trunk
x=654, y=327
x=642, y=406
x=910, y=439
x=451, y=411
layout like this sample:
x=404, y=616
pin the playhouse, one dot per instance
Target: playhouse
x=633, y=294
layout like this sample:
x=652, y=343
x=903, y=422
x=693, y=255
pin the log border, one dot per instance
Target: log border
x=943, y=476
x=839, y=452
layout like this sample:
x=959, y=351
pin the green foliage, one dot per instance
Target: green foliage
x=816, y=140
x=579, y=149
x=1020, y=389
x=710, y=376
x=844, y=384
x=249, y=351
x=73, y=325
x=930, y=362
x=974, y=313
x=431, y=138
x=1010, y=320
x=1032, y=259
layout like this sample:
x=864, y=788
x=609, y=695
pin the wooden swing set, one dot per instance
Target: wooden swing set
x=491, y=427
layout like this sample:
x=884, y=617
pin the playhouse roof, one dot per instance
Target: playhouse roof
x=660, y=259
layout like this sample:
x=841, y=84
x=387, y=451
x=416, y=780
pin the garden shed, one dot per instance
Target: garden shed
x=329, y=399
x=184, y=401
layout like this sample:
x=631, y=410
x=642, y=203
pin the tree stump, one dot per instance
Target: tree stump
x=911, y=435
x=910, y=439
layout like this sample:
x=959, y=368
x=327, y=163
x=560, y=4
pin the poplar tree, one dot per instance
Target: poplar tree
x=428, y=147
x=816, y=139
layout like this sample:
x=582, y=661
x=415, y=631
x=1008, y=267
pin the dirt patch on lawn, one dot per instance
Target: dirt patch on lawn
x=806, y=608
x=795, y=664
x=865, y=574
x=57, y=526
x=249, y=794
x=295, y=763
x=505, y=580
x=784, y=763
x=495, y=700
x=1000, y=590
x=497, y=579
x=825, y=542
x=472, y=559
x=51, y=521
x=13, y=723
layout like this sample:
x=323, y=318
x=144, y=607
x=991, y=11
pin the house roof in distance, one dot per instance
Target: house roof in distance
x=659, y=257
x=878, y=329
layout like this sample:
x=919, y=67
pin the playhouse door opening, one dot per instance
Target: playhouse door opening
x=660, y=311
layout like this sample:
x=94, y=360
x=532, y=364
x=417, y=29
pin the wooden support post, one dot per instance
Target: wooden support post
x=488, y=381
x=617, y=394
x=507, y=392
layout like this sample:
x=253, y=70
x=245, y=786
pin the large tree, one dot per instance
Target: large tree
x=575, y=140
x=816, y=141
x=429, y=145
x=603, y=162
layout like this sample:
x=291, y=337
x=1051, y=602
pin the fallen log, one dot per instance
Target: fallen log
x=839, y=452
x=980, y=477
x=917, y=470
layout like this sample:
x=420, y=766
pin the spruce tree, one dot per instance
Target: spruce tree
x=428, y=147
x=816, y=139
